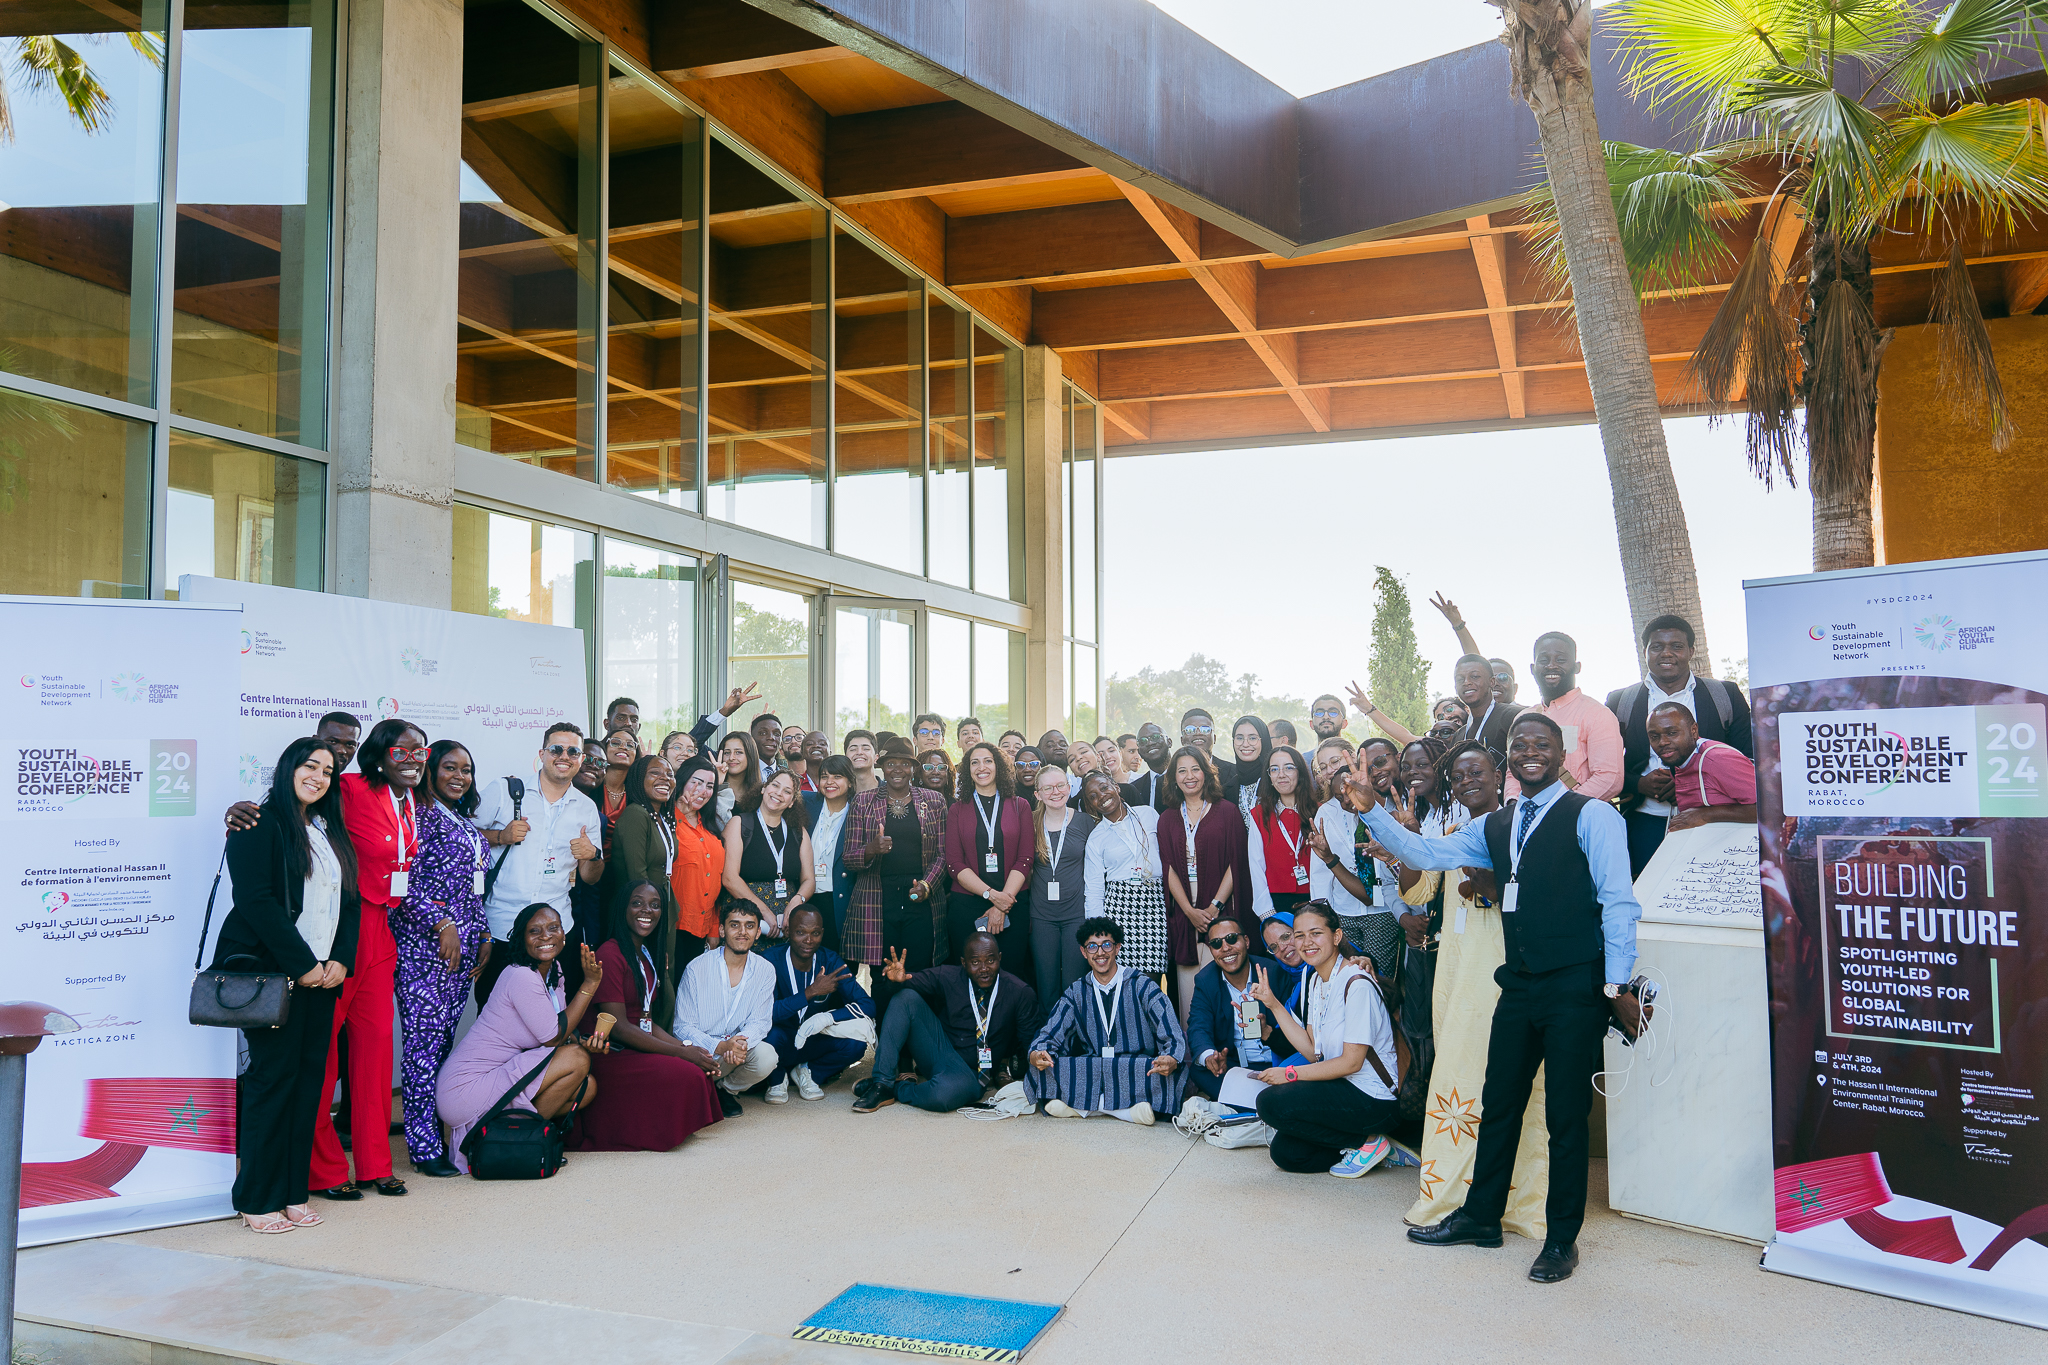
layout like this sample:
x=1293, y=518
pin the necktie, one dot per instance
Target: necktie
x=1528, y=819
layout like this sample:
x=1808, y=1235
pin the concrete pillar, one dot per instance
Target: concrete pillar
x=1045, y=561
x=395, y=385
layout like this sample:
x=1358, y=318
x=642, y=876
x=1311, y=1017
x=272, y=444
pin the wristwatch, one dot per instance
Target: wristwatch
x=1612, y=991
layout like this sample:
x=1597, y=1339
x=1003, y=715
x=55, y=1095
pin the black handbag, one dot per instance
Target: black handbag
x=518, y=1144
x=224, y=998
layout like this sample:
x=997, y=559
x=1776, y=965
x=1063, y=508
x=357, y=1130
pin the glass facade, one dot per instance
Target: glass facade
x=166, y=261
x=650, y=634
x=771, y=646
x=1081, y=497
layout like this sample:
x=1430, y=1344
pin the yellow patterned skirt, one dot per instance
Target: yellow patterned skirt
x=1462, y=1013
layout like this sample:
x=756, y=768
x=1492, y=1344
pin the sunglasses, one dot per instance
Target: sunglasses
x=1225, y=941
x=928, y=733
x=562, y=750
x=1324, y=713
x=407, y=753
x=1198, y=729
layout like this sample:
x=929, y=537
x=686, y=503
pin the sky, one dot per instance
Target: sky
x=1517, y=528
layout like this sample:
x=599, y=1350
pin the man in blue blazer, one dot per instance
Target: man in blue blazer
x=812, y=980
x=1217, y=1038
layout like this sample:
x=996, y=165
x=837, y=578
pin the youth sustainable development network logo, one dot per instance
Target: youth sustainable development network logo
x=1816, y=632
x=1936, y=632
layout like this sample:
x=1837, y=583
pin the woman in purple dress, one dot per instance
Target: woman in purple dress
x=529, y=1020
x=440, y=932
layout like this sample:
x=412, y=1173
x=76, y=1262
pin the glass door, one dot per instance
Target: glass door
x=769, y=643
x=872, y=647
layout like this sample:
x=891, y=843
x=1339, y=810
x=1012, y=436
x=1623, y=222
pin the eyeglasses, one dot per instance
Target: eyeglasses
x=1225, y=941
x=564, y=750
x=1093, y=949
x=405, y=753
x=927, y=732
x=1198, y=729
x=1325, y=713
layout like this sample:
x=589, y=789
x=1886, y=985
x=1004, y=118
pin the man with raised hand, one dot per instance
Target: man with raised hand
x=956, y=1023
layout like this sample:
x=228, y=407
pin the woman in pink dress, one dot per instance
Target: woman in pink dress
x=657, y=1088
x=527, y=1021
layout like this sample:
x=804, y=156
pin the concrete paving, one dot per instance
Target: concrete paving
x=1157, y=1246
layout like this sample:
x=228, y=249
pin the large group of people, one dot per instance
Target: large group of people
x=1347, y=954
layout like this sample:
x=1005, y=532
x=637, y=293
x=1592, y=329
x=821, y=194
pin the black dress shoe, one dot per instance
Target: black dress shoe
x=346, y=1192
x=728, y=1103
x=871, y=1094
x=1458, y=1230
x=436, y=1166
x=1556, y=1263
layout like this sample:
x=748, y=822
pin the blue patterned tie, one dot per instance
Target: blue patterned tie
x=1528, y=819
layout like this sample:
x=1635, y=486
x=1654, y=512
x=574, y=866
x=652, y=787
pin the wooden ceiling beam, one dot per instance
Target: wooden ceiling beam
x=702, y=40
x=930, y=149
x=1489, y=254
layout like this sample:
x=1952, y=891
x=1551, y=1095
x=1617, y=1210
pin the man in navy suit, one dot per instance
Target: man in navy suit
x=1217, y=1036
x=812, y=980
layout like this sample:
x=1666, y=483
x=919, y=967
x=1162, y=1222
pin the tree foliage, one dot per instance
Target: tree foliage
x=1162, y=696
x=1399, y=673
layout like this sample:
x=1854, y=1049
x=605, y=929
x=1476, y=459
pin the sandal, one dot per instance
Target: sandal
x=269, y=1226
x=345, y=1192
x=302, y=1216
x=390, y=1185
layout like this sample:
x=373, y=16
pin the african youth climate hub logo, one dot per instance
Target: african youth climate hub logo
x=129, y=687
x=415, y=662
x=1936, y=632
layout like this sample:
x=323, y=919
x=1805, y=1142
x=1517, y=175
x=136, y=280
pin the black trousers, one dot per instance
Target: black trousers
x=1314, y=1121
x=962, y=910
x=907, y=925
x=279, y=1098
x=910, y=1026
x=1645, y=836
x=1553, y=1020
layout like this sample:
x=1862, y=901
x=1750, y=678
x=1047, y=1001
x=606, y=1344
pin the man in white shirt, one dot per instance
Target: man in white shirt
x=726, y=1005
x=546, y=840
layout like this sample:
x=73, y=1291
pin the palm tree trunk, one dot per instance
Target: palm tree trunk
x=1842, y=444
x=1550, y=45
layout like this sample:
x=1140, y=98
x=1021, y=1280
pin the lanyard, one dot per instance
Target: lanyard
x=982, y=1019
x=1116, y=1003
x=988, y=817
x=1135, y=834
x=1060, y=848
x=1191, y=826
x=797, y=987
x=1515, y=844
x=647, y=991
x=769, y=834
x=1293, y=841
x=1472, y=731
x=668, y=839
x=408, y=828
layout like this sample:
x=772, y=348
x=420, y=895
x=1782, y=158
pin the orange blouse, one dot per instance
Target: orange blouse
x=699, y=873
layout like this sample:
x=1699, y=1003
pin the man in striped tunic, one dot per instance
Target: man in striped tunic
x=1112, y=1044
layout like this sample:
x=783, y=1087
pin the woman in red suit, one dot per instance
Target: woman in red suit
x=382, y=817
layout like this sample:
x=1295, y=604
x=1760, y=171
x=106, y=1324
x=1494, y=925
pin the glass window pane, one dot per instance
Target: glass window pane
x=770, y=259
x=1082, y=723
x=998, y=466
x=78, y=201
x=526, y=355
x=244, y=514
x=255, y=191
x=74, y=500
x=951, y=338
x=998, y=676
x=771, y=646
x=651, y=355
x=1081, y=519
x=948, y=686
x=878, y=507
x=525, y=570
x=874, y=656
x=650, y=633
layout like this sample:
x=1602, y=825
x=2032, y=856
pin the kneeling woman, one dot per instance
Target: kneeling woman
x=1331, y=1113
x=657, y=1088
x=527, y=1021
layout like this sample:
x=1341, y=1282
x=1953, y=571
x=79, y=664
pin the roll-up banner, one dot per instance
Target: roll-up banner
x=491, y=683
x=1902, y=764
x=119, y=720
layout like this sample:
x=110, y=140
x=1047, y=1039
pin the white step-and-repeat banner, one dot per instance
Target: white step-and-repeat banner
x=130, y=727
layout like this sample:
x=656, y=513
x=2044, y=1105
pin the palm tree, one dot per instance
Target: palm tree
x=1550, y=42
x=1866, y=116
x=46, y=64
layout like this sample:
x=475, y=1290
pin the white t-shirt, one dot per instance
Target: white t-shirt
x=1341, y=1012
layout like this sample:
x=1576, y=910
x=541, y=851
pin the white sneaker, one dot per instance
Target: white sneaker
x=778, y=1093
x=1240, y=1135
x=805, y=1086
x=1140, y=1114
x=1060, y=1109
x=1197, y=1117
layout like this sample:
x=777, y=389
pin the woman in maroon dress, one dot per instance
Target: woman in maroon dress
x=1208, y=872
x=657, y=1089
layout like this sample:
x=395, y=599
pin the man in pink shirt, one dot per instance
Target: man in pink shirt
x=1712, y=782
x=1592, y=736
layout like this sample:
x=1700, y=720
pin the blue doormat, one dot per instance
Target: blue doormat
x=954, y=1325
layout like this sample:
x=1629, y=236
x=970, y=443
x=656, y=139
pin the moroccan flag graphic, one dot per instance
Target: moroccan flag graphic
x=129, y=1115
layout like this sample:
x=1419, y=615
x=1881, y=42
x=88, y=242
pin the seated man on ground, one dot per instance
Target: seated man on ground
x=1711, y=782
x=1226, y=1026
x=955, y=1022
x=726, y=1005
x=812, y=981
x=1112, y=1044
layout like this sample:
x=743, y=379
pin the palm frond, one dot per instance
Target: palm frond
x=1951, y=54
x=46, y=64
x=1841, y=394
x=1752, y=344
x=1869, y=32
x=1987, y=162
x=1671, y=207
x=148, y=46
x=1689, y=52
x=1969, y=370
x=1843, y=142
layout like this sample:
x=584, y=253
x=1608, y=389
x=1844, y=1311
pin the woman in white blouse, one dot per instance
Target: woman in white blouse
x=825, y=813
x=1121, y=873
